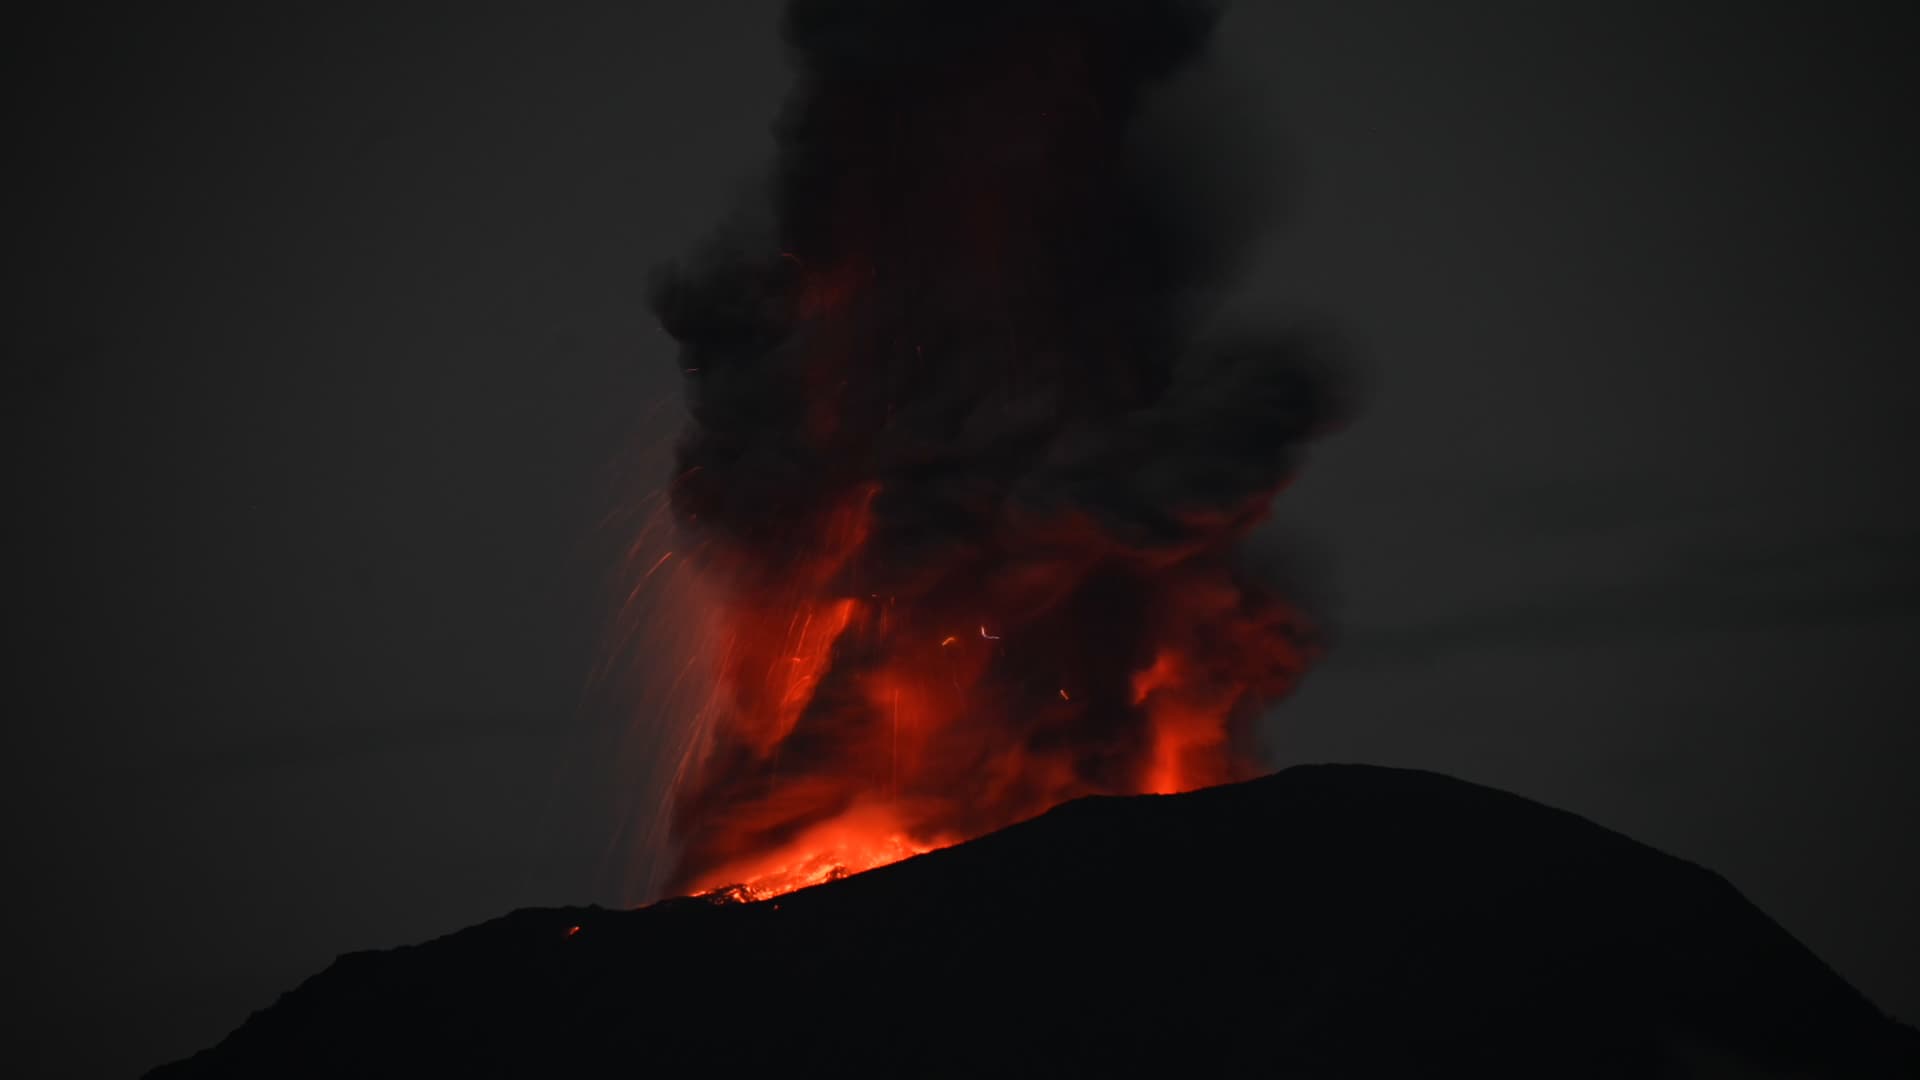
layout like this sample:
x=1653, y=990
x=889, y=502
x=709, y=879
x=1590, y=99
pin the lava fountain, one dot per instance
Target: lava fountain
x=964, y=481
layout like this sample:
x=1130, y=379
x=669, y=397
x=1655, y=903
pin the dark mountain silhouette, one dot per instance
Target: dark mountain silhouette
x=1326, y=921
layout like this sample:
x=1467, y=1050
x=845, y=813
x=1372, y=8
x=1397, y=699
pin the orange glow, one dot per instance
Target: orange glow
x=844, y=730
x=861, y=840
x=845, y=736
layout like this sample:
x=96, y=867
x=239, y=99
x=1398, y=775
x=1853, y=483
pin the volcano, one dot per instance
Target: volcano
x=1325, y=921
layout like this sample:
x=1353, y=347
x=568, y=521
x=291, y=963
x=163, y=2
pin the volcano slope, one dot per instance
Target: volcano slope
x=1323, y=921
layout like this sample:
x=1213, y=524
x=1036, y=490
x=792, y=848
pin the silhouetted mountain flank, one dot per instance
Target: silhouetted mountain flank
x=1325, y=921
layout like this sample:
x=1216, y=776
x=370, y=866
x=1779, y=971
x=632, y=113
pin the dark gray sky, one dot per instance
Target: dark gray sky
x=332, y=353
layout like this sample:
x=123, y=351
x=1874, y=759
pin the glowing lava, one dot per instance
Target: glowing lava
x=863, y=839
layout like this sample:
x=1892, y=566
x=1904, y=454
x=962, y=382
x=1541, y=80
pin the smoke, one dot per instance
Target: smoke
x=963, y=476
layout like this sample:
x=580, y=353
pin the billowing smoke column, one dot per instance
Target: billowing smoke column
x=965, y=485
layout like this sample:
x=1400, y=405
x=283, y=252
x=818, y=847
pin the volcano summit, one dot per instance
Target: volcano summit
x=1327, y=921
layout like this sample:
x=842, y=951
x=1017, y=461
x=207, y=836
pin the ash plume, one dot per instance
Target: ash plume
x=963, y=474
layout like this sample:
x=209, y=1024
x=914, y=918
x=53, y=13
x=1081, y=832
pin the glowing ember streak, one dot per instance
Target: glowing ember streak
x=989, y=637
x=572, y=930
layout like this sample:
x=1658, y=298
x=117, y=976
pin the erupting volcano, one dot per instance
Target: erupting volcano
x=966, y=473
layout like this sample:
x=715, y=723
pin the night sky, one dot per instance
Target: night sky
x=333, y=385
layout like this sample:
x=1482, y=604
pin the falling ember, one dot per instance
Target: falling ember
x=958, y=384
